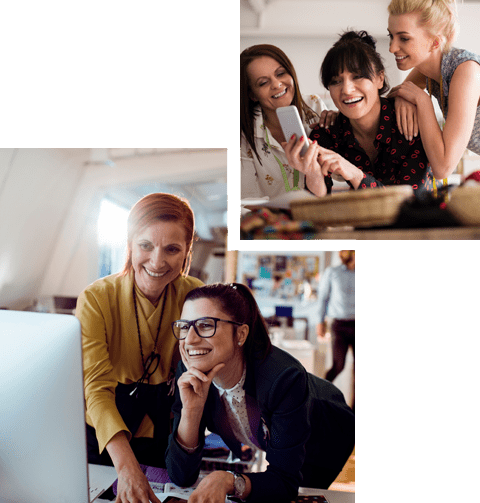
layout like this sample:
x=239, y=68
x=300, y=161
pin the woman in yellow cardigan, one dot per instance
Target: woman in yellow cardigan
x=129, y=352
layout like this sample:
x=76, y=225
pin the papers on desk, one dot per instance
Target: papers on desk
x=100, y=478
x=171, y=490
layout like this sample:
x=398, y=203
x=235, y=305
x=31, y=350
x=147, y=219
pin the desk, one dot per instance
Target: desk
x=332, y=496
x=430, y=233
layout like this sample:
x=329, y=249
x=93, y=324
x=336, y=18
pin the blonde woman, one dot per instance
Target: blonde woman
x=421, y=36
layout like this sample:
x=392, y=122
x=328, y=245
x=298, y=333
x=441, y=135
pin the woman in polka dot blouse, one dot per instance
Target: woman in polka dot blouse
x=364, y=146
x=233, y=382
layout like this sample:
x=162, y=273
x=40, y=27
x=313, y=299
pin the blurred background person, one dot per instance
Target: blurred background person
x=337, y=301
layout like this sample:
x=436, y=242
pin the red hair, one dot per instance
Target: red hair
x=165, y=208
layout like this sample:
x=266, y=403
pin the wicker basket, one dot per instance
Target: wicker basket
x=359, y=208
x=464, y=204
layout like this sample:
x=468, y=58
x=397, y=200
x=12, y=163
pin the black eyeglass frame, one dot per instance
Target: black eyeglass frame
x=193, y=323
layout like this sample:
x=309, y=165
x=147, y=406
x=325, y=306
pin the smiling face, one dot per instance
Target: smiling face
x=270, y=83
x=410, y=43
x=356, y=96
x=223, y=347
x=158, y=254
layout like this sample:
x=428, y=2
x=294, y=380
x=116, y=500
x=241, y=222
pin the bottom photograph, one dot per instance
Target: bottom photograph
x=157, y=365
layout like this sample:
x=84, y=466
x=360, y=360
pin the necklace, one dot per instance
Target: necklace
x=154, y=352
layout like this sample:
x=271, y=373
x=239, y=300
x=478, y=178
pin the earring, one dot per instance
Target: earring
x=239, y=343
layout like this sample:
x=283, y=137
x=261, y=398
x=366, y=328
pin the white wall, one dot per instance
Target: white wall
x=49, y=205
x=74, y=263
x=36, y=188
x=306, y=29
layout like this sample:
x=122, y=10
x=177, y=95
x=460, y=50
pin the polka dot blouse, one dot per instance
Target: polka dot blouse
x=399, y=161
x=236, y=408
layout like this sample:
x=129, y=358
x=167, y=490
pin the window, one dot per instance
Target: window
x=112, y=237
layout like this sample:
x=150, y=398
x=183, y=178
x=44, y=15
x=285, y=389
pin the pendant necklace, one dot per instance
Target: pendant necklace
x=154, y=352
x=296, y=174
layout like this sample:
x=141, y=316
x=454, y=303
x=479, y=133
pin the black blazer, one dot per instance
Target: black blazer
x=304, y=425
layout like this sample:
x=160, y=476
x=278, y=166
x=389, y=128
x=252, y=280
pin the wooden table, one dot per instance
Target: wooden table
x=460, y=233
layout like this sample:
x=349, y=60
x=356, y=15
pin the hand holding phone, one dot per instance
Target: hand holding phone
x=292, y=125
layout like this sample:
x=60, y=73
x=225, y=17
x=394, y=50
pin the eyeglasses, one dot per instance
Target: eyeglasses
x=204, y=327
x=150, y=367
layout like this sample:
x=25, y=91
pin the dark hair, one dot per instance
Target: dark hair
x=248, y=106
x=346, y=256
x=355, y=52
x=165, y=208
x=237, y=301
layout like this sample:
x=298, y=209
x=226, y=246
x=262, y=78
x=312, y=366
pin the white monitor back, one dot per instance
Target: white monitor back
x=43, y=455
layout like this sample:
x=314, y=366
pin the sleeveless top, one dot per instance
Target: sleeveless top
x=450, y=61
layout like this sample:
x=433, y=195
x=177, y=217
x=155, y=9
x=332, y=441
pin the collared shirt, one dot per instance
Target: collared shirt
x=265, y=179
x=398, y=162
x=235, y=404
x=336, y=293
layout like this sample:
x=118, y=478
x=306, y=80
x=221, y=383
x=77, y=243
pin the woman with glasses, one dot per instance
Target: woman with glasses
x=232, y=381
x=129, y=353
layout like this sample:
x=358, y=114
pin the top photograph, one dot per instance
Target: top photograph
x=359, y=120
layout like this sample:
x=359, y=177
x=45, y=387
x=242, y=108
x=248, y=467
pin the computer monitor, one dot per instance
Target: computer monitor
x=43, y=456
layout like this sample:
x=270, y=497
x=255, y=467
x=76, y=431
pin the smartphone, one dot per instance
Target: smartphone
x=291, y=124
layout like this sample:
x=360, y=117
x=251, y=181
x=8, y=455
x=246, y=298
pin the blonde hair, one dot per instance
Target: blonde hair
x=439, y=17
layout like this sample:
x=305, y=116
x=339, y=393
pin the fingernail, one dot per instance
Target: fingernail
x=292, y=137
x=314, y=141
x=301, y=138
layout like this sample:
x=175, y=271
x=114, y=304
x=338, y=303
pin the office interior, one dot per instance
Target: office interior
x=305, y=31
x=63, y=214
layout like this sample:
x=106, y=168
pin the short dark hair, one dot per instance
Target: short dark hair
x=355, y=52
x=238, y=302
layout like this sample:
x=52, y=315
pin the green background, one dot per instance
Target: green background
x=165, y=74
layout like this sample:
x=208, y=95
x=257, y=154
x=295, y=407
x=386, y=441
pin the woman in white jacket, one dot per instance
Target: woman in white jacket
x=268, y=81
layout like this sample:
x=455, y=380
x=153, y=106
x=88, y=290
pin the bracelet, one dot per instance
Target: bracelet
x=188, y=450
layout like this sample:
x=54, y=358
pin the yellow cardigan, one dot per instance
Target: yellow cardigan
x=111, y=352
